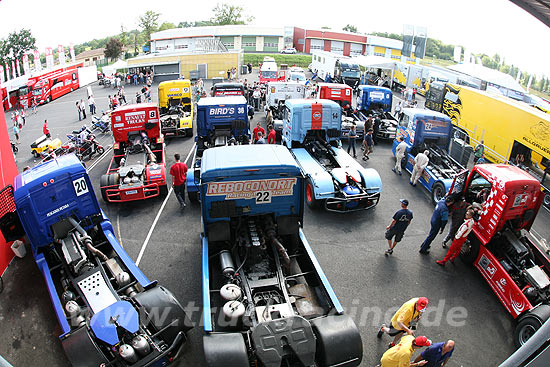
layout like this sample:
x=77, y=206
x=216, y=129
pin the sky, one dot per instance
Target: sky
x=488, y=26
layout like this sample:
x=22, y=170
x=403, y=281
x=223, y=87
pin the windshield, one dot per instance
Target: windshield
x=37, y=92
x=23, y=91
x=298, y=77
x=220, y=91
x=351, y=73
x=269, y=74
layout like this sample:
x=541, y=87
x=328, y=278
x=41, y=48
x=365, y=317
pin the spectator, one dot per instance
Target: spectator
x=369, y=148
x=398, y=109
x=121, y=96
x=400, y=221
x=138, y=97
x=401, y=354
x=256, y=130
x=256, y=95
x=438, y=354
x=420, y=163
x=83, y=108
x=23, y=117
x=479, y=151
x=135, y=79
x=369, y=124
x=272, y=135
x=250, y=112
x=91, y=104
x=400, y=151
x=34, y=104
x=481, y=160
x=114, y=102
x=261, y=139
x=460, y=238
x=179, y=175
x=249, y=66
x=79, y=111
x=45, y=129
x=376, y=128
x=16, y=133
x=410, y=311
x=110, y=102
x=269, y=118
x=351, y=139
x=439, y=219
x=457, y=212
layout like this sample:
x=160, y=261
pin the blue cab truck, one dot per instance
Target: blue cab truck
x=433, y=131
x=266, y=299
x=377, y=101
x=334, y=179
x=220, y=121
x=105, y=305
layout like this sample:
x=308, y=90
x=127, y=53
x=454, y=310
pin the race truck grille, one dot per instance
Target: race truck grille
x=351, y=203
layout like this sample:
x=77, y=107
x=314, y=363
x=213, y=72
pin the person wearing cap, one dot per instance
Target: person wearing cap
x=401, y=354
x=401, y=321
x=400, y=221
x=438, y=354
x=419, y=164
x=400, y=151
x=438, y=222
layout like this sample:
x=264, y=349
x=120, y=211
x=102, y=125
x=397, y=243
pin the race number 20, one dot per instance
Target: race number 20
x=80, y=186
x=263, y=197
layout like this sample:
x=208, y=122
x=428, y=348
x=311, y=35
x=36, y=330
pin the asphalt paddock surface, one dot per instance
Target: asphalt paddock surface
x=350, y=248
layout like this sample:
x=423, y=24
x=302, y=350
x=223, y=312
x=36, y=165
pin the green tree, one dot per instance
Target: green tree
x=505, y=69
x=225, y=14
x=350, y=28
x=325, y=27
x=124, y=37
x=137, y=40
x=148, y=23
x=166, y=25
x=16, y=45
x=113, y=48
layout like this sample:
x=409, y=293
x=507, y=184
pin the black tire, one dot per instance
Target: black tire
x=438, y=192
x=309, y=194
x=49, y=99
x=546, y=199
x=104, y=181
x=163, y=191
x=100, y=150
x=525, y=329
x=469, y=251
x=189, y=132
x=246, y=140
x=35, y=154
x=193, y=196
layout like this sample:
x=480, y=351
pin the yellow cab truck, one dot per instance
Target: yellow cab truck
x=511, y=131
x=176, y=108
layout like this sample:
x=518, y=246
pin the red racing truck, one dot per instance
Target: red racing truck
x=500, y=245
x=138, y=169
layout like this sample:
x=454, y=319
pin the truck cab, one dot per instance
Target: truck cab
x=227, y=89
x=347, y=72
x=342, y=94
x=335, y=180
x=138, y=168
x=276, y=95
x=266, y=300
x=90, y=279
x=500, y=245
x=221, y=121
x=176, y=108
x=377, y=101
x=432, y=131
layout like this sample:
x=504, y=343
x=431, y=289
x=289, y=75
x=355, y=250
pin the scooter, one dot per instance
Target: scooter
x=102, y=123
x=85, y=147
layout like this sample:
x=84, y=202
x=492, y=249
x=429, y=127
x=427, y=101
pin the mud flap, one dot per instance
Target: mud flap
x=221, y=350
x=81, y=350
x=338, y=341
x=276, y=339
x=10, y=224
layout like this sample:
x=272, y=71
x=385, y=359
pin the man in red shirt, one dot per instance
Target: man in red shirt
x=179, y=175
x=272, y=135
x=45, y=129
x=257, y=129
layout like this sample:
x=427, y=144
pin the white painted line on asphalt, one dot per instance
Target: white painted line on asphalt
x=146, y=242
x=96, y=162
x=118, y=229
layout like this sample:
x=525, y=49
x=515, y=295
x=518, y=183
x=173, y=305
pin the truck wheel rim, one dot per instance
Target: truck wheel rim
x=438, y=193
x=309, y=193
x=526, y=332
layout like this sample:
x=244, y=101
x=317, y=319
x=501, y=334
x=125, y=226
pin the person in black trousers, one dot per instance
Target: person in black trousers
x=351, y=139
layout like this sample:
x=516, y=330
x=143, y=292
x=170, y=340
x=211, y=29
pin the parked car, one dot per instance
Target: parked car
x=289, y=50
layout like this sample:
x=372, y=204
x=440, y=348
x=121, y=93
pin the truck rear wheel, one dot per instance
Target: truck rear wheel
x=469, y=251
x=104, y=181
x=525, y=329
x=193, y=196
x=438, y=192
x=189, y=132
x=311, y=202
x=163, y=190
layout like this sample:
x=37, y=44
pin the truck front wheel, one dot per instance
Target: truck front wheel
x=469, y=251
x=189, y=132
x=525, y=329
x=311, y=202
x=438, y=192
x=193, y=196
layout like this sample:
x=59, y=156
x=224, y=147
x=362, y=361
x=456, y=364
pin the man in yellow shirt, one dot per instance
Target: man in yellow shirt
x=401, y=354
x=401, y=321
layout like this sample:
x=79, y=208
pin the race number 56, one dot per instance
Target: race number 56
x=263, y=197
x=80, y=186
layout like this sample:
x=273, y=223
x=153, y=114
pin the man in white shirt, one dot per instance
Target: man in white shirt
x=420, y=163
x=400, y=152
x=460, y=238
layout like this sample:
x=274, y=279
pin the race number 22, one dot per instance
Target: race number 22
x=80, y=186
x=263, y=197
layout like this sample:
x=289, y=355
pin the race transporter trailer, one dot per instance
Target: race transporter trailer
x=176, y=108
x=104, y=304
x=138, y=169
x=428, y=130
x=500, y=245
x=220, y=121
x=266, y=299
x=311, y=130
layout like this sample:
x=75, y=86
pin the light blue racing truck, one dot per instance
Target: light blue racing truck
x=266, y=299
x=220, y=121
x=107, y=309
x=432, y=131
x=334, y=179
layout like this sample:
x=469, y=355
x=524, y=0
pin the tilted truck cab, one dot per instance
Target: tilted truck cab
x=335, y=180
x=104, y=304
x=221, y=121
x=176, y=108
x=377, y=101
x=266, y=299
x=500, y=245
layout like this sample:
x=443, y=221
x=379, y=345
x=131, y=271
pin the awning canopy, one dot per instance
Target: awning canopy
x=540, y=9
x=378, y=62
x=118, y=65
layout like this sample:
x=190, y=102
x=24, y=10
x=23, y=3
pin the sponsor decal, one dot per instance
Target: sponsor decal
x=250, y=189
x=316, y=116
x=173, y=90
x=55, y=211
x=518, y=306
x=135, y=117
x=222, y=111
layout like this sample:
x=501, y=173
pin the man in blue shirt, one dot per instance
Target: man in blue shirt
x=438, y=222
x=397, y=227
x=438, y=354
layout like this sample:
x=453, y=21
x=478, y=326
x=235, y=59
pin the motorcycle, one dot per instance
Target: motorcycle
x=85, y=146
x=102, y=123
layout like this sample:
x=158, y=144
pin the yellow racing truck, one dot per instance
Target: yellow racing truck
x=176, y=108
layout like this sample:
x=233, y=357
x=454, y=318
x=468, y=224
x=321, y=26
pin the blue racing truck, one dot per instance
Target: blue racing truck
x=377, y=101
x=432, y=131
x=106, y=307
x=220, y=121
x=334, y=179
x=266, y=300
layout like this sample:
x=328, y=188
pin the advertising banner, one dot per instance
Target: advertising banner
x=37, y=62
x=61, y=54
x=26, y=66
x=49, y=58
x=408, y=35
x=71, y=50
